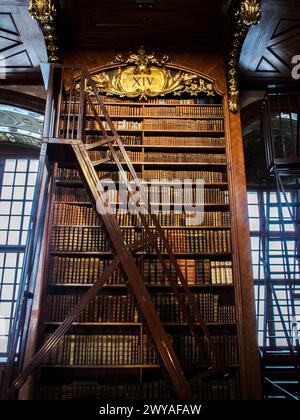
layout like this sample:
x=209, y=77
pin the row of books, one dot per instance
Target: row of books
x=119, y=125
x=212, y=389
x=194, y=241
x=92, y=239
x=136, y=156
x=196, y=272
x=126, y=139
x=136, y=391
x=71, y=194
x=182, y=141
x=169, y=309
x=98, y=350
x=107, y=350
x=191, y=353
x=75, y=239
x=164, y=111
x=104, y=308
x=159, y=175
x=83, y=270
x=182, y=111
x=72, y=214
x=186, y=194
x=160, y=193
x=182, y=219
x=183, y=125
x=163, y=175
x=184, y=157
x=99, y=155
x=121, y=308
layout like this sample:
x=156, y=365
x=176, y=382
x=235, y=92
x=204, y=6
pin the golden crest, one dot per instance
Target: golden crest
x=144, y=76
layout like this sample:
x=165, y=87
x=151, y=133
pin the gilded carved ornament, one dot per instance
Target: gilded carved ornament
x=248, y=14
x=144, y=76
x=44, y=11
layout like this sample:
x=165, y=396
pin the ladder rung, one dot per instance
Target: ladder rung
x=100, y=162
x=100, y=143
x=203, y=375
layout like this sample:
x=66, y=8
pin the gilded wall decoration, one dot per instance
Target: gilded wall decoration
x=248, y=14
x=44, y=11
x=144, y=76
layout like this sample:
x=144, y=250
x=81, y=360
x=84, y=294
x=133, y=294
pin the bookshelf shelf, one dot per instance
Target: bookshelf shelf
x=54, y=286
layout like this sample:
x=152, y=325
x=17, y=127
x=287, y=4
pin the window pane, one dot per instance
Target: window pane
x=14, y=224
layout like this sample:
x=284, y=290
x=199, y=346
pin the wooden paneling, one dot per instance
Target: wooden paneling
x=185, y=26
x=22, y=46
x=269, y=47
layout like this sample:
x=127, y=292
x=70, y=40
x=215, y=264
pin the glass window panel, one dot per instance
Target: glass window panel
x=10, y=165
x=8, y=178
x=254, y=224
x=13, y=237
x=15, y=222
x=33, y=166
x=20, y=179
x=253, y=211
x=6, y=193
x=5, y=309
x=4, y=220
x=3, y=344
x=7, y=292
x=26, y=221
x=5, y=208
x=3, y=237
x=11, y=260
x=30, y=193
x=19, y=193
x=22, y=165
x=31, y=179
x=28, y=207
x=24, y=237
x=252, y=198
x=9, y=275
x=17, y=208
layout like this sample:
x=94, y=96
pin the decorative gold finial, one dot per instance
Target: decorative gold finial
x=248, y=14
x=44, y=11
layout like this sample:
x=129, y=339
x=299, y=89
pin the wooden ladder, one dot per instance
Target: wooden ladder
x=124, y=254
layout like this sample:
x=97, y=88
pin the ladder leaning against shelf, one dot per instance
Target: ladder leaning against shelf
x=123, y=253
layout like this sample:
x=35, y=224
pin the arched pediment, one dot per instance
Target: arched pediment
x=143, y=76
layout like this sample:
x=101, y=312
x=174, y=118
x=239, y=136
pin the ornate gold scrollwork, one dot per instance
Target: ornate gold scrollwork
x=144, y=76
x=44, y=12
x=248, y=14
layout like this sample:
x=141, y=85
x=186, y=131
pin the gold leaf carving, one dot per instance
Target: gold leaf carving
x=144, y=76
x=248, y=14
x=44, y=12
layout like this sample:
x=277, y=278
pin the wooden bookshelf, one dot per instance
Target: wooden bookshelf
x=78, y=252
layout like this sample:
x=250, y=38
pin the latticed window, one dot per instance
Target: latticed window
x=17, y=185
x=274, y=259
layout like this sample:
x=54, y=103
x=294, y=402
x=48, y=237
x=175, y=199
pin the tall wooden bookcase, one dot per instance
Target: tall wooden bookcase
x=107, y=354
